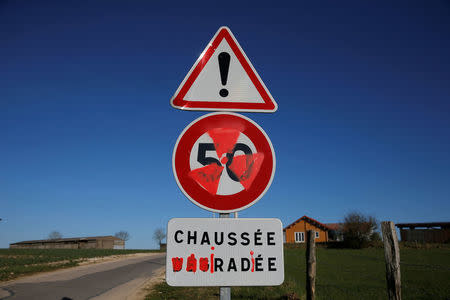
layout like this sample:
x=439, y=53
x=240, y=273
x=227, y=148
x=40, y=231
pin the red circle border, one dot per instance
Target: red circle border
x=223, y=203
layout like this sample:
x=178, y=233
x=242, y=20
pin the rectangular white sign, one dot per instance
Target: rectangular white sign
x=224, y=252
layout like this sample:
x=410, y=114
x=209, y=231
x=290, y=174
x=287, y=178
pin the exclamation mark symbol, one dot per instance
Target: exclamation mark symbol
x=224, y=65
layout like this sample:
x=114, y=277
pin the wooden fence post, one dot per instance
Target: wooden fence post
x=392, y=260
x=310, y=265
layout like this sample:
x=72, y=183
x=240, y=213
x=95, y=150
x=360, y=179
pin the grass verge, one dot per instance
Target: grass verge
x=18, y=262
x=341, y=274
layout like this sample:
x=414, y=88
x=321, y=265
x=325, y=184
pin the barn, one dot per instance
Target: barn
x=434, y=232
x=296, y=232
x=95, y=242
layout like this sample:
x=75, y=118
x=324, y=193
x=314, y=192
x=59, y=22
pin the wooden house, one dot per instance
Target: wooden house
x=296, y=232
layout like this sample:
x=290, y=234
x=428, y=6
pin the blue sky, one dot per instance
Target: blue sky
x=87, y=131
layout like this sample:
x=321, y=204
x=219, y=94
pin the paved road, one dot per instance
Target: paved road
x=109, y=280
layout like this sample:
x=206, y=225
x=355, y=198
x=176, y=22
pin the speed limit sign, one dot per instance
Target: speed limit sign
x=223, y=162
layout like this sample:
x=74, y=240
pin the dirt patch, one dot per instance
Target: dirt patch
x=148, y=286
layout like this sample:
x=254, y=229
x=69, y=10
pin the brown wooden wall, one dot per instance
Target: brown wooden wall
x=425, y=235
x=303, y=226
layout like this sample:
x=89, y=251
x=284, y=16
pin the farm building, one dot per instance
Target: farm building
x=95, y=242
x=435, y=232
x=335, y=233
x=296, y=232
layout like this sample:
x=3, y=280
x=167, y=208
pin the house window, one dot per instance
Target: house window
x=317, y=234
x=299, y=237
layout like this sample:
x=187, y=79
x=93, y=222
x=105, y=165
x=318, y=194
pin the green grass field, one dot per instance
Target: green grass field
x=17, y=262
x=342, y=274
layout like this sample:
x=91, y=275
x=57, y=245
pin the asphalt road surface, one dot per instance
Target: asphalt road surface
x=119, y=279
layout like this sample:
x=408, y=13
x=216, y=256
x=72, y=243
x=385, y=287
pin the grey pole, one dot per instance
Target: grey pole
x=225, y=292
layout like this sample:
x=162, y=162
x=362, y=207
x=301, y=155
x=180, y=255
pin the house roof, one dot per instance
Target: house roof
x=425, y=225
x=334, y=226
x=92, y=238
x=310, y=221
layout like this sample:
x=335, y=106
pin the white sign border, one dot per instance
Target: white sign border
x=231, y=220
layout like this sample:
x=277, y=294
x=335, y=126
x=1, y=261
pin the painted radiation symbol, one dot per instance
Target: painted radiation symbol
x=224, y=161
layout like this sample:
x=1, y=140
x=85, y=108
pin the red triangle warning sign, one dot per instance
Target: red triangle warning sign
x=223, y=78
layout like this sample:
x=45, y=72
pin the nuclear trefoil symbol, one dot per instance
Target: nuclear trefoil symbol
x=225, y=159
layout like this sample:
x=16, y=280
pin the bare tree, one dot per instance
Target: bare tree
x=123, y=235
x=159, y=235
x=54, y=235
x=359, y=229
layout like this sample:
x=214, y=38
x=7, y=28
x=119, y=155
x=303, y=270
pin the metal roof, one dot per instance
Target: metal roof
x=426, y=225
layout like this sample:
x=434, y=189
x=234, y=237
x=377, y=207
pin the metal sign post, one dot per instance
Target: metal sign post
x=224, y=162
x=225, y=292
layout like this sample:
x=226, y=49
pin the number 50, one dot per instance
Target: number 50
x=206, y=160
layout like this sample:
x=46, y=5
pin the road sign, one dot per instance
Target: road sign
x=224, y=252
x=223, y=162
x=223, y=78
